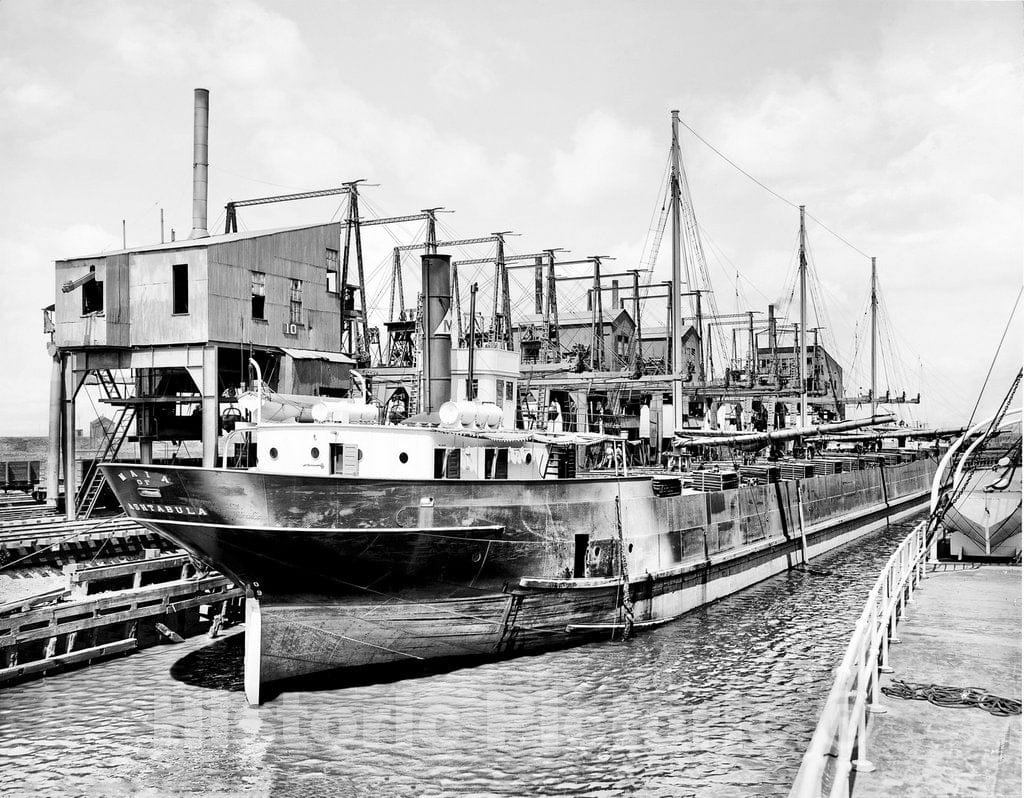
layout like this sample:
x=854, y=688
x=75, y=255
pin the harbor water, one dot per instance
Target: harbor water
x=721, y=702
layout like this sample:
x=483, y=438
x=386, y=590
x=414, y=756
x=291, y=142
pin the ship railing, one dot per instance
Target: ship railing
x=838, y=748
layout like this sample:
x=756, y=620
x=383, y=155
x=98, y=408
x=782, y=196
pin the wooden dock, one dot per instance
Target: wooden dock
x=33, y=538
x=112, y=609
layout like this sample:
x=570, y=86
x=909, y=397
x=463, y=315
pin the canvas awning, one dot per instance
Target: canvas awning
x=312, y=354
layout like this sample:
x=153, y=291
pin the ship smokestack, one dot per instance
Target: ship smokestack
x=200, y=162
x=437, y=322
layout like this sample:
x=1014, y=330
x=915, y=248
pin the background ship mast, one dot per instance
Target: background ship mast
x=874, y=338
x=676, y=289
x=802, y=356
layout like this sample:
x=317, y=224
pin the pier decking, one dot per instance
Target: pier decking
x=963, y=630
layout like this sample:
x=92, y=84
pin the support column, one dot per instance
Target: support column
x=70, y=465
x=582, y=407
x=145, y=450
x=286, y=375
x=53, y=443
x=657, y=433
x=211, y=418
x=144, y=414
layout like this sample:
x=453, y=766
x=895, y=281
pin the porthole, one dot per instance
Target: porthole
x=272, y=453
x=529, y=458
x=630, y=548
x=314, y=453
x=597, y=551
x=359, y=454
x=403, y=457
x=477, y=556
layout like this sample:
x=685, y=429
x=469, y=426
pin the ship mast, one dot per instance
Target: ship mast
x=676, y=289
x=874, y=337
x=802, y=355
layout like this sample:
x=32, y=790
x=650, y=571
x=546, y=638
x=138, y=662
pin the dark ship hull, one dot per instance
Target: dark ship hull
x=349, y=572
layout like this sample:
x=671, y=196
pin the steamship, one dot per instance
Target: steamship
x=457, y=536
x=456, y=533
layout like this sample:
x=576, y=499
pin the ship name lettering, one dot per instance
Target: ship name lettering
x=170, y=509
x=145, y=480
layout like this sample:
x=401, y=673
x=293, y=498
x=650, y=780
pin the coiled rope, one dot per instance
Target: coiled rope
x=953, y=697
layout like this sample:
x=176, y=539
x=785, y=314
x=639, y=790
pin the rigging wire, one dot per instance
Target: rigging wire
x=771, y=191
x=996, y=355
x=251, y=179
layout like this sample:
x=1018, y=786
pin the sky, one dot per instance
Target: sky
x=897, y=124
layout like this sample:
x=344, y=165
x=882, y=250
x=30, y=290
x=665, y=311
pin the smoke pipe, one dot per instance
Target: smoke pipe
x=200, y=162
x=437, y=363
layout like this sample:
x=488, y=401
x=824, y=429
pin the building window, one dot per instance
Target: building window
x=259, y=295
x=92, y=295
x=295, y=303
x=499, y=392
x=508, y=389
x=179, y=288
x=332, y=270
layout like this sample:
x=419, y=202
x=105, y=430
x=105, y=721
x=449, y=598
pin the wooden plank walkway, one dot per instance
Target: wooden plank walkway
x=963, y=630
x=49, y=541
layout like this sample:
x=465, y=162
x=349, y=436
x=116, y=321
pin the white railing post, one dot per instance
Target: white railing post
x=873, y=658
x=856, y=686
x=923, y=527
x=911, y=567
x=884, y=622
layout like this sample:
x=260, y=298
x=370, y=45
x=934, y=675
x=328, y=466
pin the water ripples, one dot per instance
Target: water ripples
x=719, y=703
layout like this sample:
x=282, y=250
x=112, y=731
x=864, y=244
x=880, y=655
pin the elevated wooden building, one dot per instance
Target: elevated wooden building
x=166, y=331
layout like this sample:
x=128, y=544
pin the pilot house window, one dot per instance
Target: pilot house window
x=345, y=459
x=496, y=463
x=447, y=463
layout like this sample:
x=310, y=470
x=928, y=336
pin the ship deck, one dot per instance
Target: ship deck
x=964, y=630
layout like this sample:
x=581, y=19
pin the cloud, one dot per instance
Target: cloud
x=464, y=78
x=904, y=138
x=240, y=42
x=30, y=100
x=456, y=70
x=606, y=157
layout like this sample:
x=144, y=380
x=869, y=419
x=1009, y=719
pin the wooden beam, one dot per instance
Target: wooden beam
x=98, y=572
x=39, y=666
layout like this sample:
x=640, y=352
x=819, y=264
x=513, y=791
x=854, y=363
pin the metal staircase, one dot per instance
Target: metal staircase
x=114, y=437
